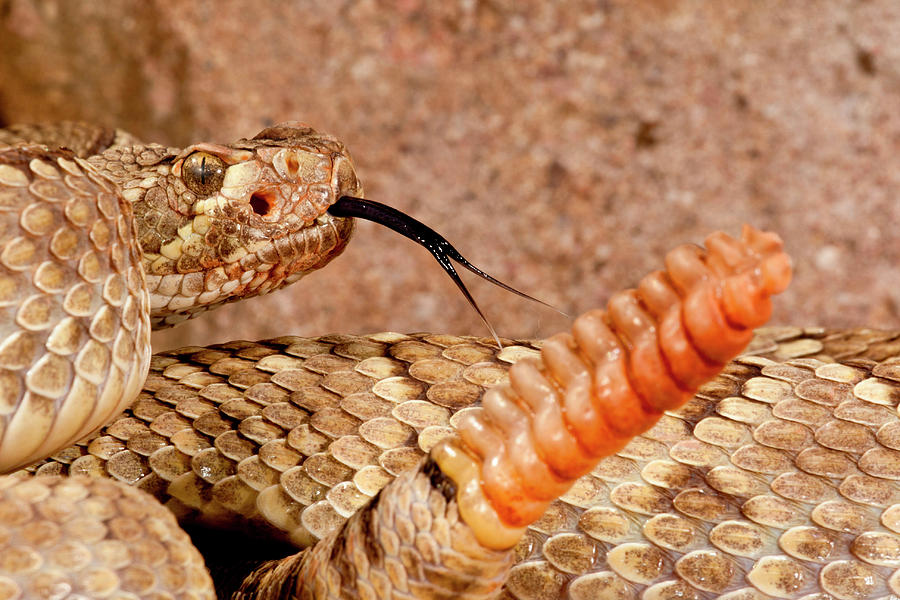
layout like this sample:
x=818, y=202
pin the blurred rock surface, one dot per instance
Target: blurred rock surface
x=564, y=147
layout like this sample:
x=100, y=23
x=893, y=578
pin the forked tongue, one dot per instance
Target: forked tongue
x=441, y=249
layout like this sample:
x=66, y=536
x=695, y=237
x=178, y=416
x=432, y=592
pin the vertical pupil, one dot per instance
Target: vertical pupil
x=203, y=171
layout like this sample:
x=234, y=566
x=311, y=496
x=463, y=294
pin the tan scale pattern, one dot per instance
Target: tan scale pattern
x=88, y=538
x=74, y=332
x=778, y=479
x=425, y=550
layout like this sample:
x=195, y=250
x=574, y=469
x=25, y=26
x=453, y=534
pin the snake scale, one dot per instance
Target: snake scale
x=629, y=458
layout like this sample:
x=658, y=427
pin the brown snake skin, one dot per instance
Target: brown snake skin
x=778, y=479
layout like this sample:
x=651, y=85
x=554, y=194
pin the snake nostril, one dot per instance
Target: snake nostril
x=260, y=204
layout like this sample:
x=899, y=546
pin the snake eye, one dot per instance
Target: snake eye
x=203, y=173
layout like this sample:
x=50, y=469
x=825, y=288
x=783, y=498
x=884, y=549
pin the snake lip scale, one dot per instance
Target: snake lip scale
x=633, y=456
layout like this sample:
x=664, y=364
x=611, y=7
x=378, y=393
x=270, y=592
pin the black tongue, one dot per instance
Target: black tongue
x=440, y=248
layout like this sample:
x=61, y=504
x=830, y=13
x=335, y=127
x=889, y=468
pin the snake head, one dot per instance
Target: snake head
x=217, y=223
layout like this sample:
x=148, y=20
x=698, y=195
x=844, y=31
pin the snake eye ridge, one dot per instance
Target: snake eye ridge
x=203, y=173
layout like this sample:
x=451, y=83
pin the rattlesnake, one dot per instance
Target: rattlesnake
x=777, y=478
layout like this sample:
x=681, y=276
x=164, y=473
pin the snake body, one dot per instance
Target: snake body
x=776, y=478
x=82, y=294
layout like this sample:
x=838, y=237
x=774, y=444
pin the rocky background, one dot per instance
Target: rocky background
x=563, y=146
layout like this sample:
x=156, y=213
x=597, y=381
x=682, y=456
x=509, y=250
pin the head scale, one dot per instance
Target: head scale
x=218, y=223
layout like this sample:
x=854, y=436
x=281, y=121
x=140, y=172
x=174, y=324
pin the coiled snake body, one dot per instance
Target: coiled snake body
x=628, y=458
